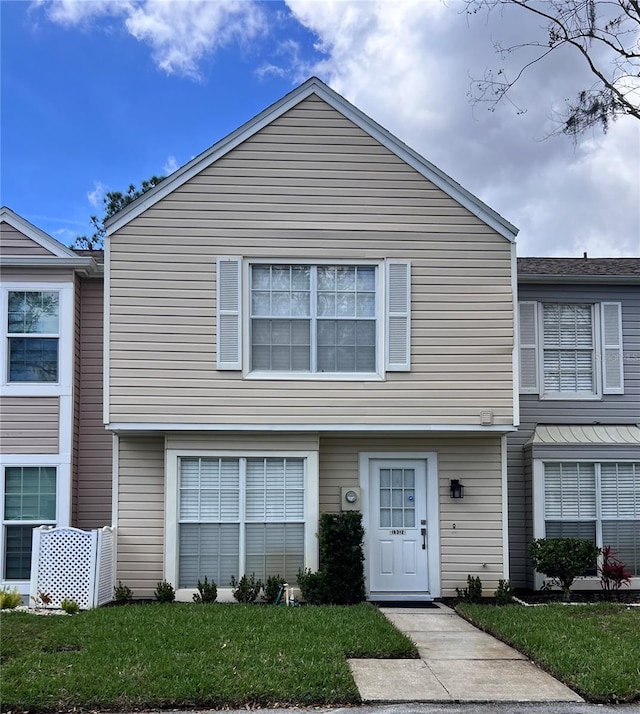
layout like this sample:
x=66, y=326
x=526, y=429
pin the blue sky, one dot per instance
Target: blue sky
x=97, y=94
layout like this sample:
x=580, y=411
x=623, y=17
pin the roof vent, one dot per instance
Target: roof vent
x=584, y=255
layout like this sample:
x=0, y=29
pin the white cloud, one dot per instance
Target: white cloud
x=97, y=194
x=408, y=65
x=179, y=33
x=170, y=165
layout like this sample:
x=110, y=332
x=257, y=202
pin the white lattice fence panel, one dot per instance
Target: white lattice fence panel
x=104, y=584
x=64, y=564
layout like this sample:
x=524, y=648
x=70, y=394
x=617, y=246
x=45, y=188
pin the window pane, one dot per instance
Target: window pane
x=33, y=312
x=355, y=341
x=18, y=552
x=275, y=548
x=281, y=345
x=570, y=491
x=209, y=549
x=33, y=359
x=30, y=493
x=624, y=538
x=209, y=489
x=620, y=485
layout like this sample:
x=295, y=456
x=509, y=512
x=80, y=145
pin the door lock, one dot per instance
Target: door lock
x=423, y=532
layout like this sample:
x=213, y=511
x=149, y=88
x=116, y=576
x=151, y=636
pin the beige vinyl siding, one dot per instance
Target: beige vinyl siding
x=474, y=546
x=311, y=185
x=140, y=527
x=14, y=242
x=77, y=322
x=95, y=443
x=243, y=442
x=29, y=425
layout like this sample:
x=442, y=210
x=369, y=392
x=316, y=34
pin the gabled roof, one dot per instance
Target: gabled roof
x=314, y=86
x=61, y=256
x=579, y=270
x=35, y=234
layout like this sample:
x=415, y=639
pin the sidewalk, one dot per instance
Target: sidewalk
x=458, y=663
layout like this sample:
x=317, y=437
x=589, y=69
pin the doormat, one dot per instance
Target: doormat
x=422, y=604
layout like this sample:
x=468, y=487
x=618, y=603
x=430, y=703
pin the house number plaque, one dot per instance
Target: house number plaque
x=398, y=531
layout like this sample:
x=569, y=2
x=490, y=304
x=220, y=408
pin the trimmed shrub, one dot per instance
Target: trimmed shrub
x=313, y=587
x=247, y=589
x=165, y=592
x=563, y=560
x=473, y=591
x=122, y=594
x=272, y=588
x=341, y=557
x=504, y=593
x=207, y=591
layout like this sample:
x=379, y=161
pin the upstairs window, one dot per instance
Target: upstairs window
x=568, y=352
x=33, y=335
x=305, y=320
x=308, y=318
x=571, y=350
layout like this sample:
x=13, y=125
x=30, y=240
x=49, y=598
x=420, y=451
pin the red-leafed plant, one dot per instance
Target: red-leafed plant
x=612, y=571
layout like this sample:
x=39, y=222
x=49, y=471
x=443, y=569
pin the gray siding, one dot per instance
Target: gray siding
x=611, y=409
x=310, y=185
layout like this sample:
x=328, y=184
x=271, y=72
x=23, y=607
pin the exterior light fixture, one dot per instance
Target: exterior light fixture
x=456, y=489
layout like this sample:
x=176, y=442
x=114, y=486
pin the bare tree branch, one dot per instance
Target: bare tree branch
x=605, y=33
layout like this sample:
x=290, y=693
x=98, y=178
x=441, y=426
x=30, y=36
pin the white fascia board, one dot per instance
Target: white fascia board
x=161, y=427
x=36, y=234
x=85, y=265
x=340, y=104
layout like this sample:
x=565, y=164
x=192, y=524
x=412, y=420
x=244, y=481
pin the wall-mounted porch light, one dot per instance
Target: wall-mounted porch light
x=456, y=489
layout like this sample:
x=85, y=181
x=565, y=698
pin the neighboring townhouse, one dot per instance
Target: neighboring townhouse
x=55, y=454
x=574, y=463
x=308, y=317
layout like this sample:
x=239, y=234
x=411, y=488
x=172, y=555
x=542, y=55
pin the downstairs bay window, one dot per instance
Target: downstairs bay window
x=599, y=502
x=238, y=515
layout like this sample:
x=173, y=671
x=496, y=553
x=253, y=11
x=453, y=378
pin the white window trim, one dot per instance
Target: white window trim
x=63, y=501
x=311, y=508
x=377, y=376
x=590, y=582
x=597, y=358
x=66, y=331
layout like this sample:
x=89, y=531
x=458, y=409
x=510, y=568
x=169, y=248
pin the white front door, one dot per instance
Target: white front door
x=398, y=528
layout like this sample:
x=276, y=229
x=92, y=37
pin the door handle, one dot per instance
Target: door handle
x=423, y=531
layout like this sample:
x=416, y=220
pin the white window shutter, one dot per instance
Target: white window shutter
x=612, y=359
x=398, y=292
x=228, y=313
x=528, y=345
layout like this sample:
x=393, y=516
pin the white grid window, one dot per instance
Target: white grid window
x=316, y=319
x=596, y=501
x=29, y=501
x=569, y=354
x=33, y=335
x=240, y=516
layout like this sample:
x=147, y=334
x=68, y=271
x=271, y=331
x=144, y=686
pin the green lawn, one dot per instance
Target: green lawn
x=595, y=649
x=187, y=655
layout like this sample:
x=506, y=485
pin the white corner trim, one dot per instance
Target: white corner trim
x=515, y=352
x=505, y=507
x=106, y=328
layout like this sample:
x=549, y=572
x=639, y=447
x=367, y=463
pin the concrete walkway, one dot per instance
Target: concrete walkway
x=458, y=663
